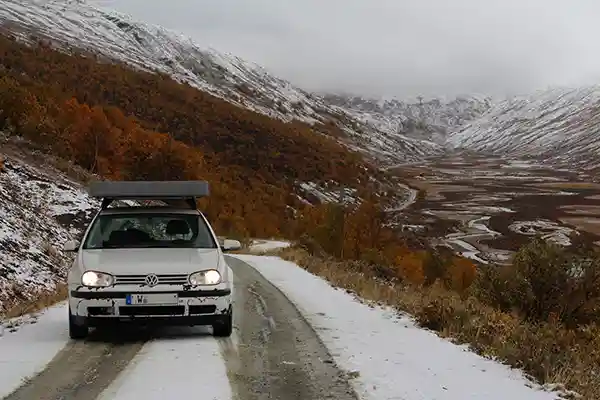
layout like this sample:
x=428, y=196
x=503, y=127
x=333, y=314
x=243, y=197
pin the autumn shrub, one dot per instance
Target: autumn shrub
x=549, y=352
x=358, y=233
x=546, y=282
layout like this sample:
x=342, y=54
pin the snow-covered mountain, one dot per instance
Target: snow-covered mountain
x=429, y=120
x=558, y=126
x=76, y=25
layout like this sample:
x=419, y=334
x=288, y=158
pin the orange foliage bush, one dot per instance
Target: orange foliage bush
x=360, y=234
x=461, y=274
x=411, y=267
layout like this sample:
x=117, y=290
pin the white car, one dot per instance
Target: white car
x=150, y=264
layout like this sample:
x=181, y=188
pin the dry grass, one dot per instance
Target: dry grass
x=548, y=352
x=30, y=153
x=41, y=301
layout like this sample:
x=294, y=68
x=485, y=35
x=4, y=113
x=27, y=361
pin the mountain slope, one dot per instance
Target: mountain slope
x=72, y=24
x=40, y=209
x=557, y=126
x=429, y=120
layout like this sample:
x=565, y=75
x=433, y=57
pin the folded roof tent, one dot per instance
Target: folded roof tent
x=166, y=191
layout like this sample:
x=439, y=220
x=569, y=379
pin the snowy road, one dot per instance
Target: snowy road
x=273, y=353
x=295, y=337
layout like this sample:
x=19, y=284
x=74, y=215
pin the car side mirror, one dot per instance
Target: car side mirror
x=229, y=245
x=71, y=246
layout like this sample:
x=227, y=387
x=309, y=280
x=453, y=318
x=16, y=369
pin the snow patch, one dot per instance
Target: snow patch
x=182, y=364
x=268, y=245
x=327, y=194
x=549, y=230
x=28, y=344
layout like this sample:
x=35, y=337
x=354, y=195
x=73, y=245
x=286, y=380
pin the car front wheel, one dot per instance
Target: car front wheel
x=224, y=327
x=76, y=331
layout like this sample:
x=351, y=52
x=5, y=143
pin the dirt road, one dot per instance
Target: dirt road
x=275, y=355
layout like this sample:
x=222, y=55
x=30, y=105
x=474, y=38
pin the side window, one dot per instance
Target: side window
x=205, y=238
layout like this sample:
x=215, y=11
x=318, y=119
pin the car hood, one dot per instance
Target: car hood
x=144, y=261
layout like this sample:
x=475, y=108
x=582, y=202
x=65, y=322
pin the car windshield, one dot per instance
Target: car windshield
x=164, y=230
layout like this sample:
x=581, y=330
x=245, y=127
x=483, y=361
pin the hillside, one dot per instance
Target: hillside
x=559, y=127
x=40, y=209
x=74, y=25
x=51, y=93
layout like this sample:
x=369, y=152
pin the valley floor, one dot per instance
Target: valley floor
x=487, y=207
x=295, y=337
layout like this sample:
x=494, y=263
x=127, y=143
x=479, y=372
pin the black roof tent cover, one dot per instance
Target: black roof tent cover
x=110, y=191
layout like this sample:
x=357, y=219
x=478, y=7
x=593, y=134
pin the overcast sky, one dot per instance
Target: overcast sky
x=396, y=47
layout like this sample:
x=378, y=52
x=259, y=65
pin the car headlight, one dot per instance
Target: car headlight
x=96, y=279
x=208, y=277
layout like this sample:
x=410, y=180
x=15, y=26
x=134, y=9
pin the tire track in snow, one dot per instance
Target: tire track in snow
x=279, y=355
x=80, y=371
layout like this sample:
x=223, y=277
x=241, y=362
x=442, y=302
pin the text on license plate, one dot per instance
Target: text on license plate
x=151, y=298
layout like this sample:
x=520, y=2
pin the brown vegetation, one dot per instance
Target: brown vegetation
x=34, y=303
x=360, y=234
x=270, y=148
x=540, y=314
x=126, y=124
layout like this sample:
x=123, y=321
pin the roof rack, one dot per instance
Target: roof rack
x=110, y=191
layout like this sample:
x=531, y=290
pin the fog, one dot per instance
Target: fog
x=396, y=47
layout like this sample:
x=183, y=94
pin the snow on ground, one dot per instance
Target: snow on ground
x=27, y=344
x=178, y=365
x=476, y=230
x=39, y=211
x=394, y=358
x=329, y=194
x=268, y=245
x=549, y=230
x=411, y=197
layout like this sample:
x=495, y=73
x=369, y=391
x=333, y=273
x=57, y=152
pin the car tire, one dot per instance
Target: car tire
x=224, y=327
x=76, y=331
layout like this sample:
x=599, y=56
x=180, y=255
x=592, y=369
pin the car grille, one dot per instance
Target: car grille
x=163, y=279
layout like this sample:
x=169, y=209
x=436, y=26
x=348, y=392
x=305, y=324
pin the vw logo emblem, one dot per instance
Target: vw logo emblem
x=151, y=280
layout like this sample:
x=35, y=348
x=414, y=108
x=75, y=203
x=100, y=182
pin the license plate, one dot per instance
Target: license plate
x=151, y=299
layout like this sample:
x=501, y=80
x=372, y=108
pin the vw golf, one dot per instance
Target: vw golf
x=150, y=264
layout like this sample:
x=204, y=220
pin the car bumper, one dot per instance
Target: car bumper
x=190, y=307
